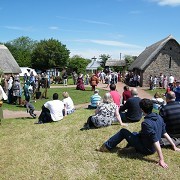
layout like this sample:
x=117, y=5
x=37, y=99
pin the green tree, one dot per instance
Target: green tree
x=21, y=49
x=104, y=58
x=129, y=60
x=49, y=54
x=78, y=64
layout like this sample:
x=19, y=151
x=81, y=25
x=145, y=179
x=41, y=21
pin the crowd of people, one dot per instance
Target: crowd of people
x=157, y=130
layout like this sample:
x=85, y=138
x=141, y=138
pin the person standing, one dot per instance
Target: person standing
x=171, y=81
x=161, y=80
x=177, y=91
x=65, y=77
x=80, y=83
x=94, y=80
x=3, y=96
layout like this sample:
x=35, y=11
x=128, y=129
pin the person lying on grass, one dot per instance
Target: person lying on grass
x=106, y=113
x=147, y=140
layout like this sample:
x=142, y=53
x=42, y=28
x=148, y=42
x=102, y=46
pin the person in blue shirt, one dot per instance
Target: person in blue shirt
x=177, y=91
x=147, y=140
x=95, y=100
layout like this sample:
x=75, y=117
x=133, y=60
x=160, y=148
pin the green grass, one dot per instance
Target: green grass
x=152, y=92
x=79, y=97
x=61, y=151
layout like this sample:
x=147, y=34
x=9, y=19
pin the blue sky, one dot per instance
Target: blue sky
x=92, y=27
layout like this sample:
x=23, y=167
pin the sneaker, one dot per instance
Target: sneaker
x=103, y=148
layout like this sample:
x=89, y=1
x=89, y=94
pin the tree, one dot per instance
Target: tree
x=78, y=64
x=49, y=54
x=21, y=49
x=129, y=59
x=104, y=58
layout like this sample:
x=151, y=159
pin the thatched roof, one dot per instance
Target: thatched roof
x=115, y=62
x=146, y=57
x=7, y=62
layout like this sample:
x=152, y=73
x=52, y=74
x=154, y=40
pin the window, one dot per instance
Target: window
x=170, y=62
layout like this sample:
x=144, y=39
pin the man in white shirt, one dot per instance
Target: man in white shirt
x=52, y=110
x=171, y=80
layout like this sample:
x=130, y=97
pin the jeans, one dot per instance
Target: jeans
x=133, y=140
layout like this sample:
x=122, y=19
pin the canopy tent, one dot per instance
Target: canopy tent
x=27, y=70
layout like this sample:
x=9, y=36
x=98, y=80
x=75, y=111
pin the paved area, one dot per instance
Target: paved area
x=23, y=114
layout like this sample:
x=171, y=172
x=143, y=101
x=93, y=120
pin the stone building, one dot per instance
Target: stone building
x=161, y=57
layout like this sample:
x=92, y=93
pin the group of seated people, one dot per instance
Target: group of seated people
x=157, y=129
x=56, y=109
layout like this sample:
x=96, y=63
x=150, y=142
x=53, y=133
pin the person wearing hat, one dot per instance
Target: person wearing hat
x=95, y=100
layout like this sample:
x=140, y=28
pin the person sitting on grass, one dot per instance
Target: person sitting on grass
x=147, y=140
x=95, y=100
x=130, y=111
x=115, y=95
x=158, y=101
x=106, y=113
x=52, y=110
x=68, y=103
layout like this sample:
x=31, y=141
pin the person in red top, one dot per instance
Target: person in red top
x=126, y=94
x=115, y=95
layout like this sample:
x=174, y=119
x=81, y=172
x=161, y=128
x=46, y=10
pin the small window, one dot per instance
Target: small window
x=170, y=62
x=170, y=48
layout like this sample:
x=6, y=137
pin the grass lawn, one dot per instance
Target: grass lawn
x=61, y=151
x=79, y=97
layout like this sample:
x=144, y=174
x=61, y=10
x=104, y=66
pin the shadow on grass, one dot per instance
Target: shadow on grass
x=134, y=155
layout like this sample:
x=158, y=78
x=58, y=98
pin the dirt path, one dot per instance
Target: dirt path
x=23, y=114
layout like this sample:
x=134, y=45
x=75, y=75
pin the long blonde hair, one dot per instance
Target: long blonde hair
x=107, y=98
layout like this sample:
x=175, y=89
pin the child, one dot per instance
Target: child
x=30, y=108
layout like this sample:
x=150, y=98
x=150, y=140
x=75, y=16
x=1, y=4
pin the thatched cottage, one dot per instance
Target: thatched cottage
x=161, y=57
x=8, y=64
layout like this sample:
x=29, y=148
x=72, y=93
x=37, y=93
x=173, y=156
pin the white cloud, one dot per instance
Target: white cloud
x=115, y=54
x=167, y=2
x=54, y=28
x=84, y=20
x=109, y=43
x=18, y=28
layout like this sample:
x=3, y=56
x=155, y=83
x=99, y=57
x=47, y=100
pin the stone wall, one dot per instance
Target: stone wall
x=161, y=62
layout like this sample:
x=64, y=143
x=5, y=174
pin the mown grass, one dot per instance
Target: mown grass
x=79, y=97
x=61, y=151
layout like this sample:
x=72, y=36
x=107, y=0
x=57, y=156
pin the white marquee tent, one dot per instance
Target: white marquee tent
x=27, y=70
